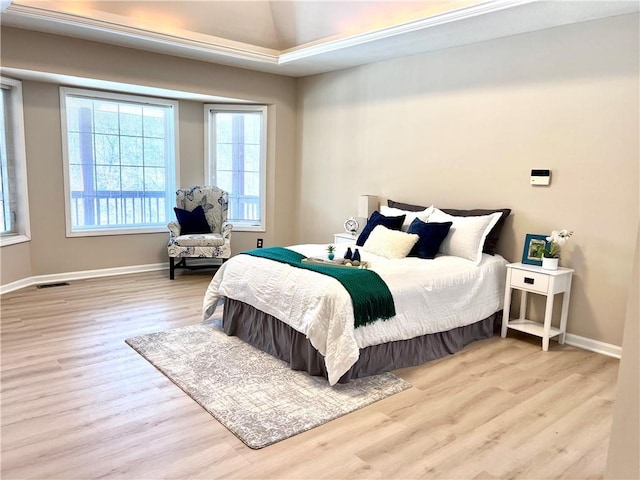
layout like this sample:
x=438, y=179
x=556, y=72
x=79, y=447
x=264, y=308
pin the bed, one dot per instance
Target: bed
x=307, y=319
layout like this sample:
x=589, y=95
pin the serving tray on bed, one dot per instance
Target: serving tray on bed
x=332, y=263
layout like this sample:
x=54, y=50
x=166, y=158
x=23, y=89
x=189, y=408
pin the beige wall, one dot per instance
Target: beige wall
x=463, y=127
x=50, y=251
x=15, y=262
x=623, y=459
x=459, y=128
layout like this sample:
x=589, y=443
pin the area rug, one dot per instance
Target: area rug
x=254, y=395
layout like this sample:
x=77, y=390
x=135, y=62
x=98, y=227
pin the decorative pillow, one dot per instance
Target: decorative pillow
x=490, y=243
x=389, y=243
x=410, y=216
x=431, y=237
x=376, y=218
x=192, y=222
x=467, y=234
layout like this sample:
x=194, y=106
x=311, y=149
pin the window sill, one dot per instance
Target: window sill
x=117, y=231
x=246, y=228
x=7, y=240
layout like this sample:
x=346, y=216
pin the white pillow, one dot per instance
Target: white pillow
x=410, y=216
x=390, y=243
x=466, y=236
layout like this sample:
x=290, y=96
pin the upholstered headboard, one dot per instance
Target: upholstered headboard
x=490, y=243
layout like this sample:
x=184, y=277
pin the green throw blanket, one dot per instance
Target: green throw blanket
x=371, y=297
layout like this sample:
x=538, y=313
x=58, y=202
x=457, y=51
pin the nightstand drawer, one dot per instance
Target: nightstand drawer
x=535, y=282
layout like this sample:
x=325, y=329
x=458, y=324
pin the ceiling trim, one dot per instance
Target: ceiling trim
x=208, y=43
x=324, y=46
x=115, y=25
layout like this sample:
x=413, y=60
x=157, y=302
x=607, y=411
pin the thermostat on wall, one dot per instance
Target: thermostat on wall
x=540, y=177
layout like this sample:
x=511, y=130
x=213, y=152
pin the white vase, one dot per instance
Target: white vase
x=550, y=263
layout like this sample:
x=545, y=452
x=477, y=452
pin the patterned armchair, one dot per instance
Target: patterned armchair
x=215, y=203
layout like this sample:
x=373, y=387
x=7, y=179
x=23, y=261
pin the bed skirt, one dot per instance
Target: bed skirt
x=276, y=338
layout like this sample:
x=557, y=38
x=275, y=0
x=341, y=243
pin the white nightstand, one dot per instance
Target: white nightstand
x=532, y=279
x=344, y=238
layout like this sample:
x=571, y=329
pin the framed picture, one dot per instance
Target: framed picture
x=534, y=246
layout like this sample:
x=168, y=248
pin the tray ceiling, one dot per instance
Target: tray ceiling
x=299, y=38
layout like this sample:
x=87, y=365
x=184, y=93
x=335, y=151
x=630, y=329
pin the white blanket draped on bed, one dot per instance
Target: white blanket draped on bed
x=430, y=296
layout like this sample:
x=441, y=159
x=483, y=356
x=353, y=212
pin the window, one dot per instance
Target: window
x=120, y=162
x=14, y=198
x=236, y=152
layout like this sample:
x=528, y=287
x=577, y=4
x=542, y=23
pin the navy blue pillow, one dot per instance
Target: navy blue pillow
x=376, y=218
x=431, y=236
x=193, y=222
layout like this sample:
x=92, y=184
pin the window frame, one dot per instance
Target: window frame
x=172, y=181
x=210, y=172
x=20, y=187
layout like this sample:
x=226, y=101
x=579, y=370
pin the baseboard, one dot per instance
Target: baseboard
x=593, y=345
x=17, y=285
x=68, y=276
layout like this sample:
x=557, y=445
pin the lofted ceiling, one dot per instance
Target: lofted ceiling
x=299, y=38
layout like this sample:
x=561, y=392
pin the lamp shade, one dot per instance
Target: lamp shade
x=367, y=204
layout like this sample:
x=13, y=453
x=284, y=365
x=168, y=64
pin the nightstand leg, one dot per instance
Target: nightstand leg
x=523, y=305
x=548, y=313
x=505, y=312
x=506, y=309
x=565, y=311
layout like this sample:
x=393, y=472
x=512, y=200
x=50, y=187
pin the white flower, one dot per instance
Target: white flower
x=555, y=235
x=556, y=240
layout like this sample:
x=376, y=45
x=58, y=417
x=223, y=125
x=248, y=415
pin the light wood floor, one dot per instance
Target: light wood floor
x=77, y=402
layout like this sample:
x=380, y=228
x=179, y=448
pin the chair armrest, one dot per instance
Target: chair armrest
x=174, y=229
x=226, y=230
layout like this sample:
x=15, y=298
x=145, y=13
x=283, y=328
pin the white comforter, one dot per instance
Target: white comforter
x=430, y=296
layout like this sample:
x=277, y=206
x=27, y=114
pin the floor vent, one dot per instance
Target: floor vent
x=51, y=285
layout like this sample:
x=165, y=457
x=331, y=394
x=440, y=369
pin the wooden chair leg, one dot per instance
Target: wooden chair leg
x=172, y=268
